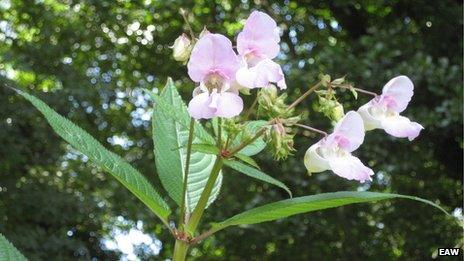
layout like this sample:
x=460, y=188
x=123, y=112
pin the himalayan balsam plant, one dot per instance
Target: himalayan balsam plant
x=194, y=143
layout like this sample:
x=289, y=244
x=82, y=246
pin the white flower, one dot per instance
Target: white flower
x=383, y=112
x=334, y=151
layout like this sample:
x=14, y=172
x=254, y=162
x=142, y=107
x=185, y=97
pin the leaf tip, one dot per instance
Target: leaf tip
x=169, y=81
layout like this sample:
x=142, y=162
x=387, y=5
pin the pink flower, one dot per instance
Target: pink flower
x=260, y=37
x=383, y=112
x=334, y=151
x=257, y=45
x=260, y=75
x=213, y=64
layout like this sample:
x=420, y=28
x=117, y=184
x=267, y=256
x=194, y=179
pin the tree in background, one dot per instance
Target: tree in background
x=98, y=54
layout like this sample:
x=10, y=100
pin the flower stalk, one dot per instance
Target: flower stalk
x=250, y=110
x=343, y=86
x=246, y=143
x=219, y=141
x=302, y=97
x=311, y=129
x=189, y=28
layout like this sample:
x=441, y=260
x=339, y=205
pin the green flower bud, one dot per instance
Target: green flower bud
x=337, y=112
x=280, y=141
x=271, y=105
x=231, y=127
x=332, y=109
x=339, y=80
x=325, y=78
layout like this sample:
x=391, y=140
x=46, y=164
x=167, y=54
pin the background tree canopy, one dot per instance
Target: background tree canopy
x=89, y=60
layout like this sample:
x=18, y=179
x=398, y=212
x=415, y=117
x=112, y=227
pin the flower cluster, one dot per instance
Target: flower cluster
x=334, y=151
x=221, y=73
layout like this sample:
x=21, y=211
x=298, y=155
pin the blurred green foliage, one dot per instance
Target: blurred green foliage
x=89, y=60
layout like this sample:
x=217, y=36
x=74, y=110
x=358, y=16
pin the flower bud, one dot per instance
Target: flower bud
x=231, y=127
x=337, y=112
x=325, y=78
x=181, y=48
x=332, y=109
x=272, y=105
x=279, y=140
x=339, y=80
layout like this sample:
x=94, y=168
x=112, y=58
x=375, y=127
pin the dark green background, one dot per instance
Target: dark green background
x=47, y=189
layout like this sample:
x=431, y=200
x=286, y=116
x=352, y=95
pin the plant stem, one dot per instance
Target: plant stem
x=246, y=143
x=186, y=172
x=302, y=97
x=262, y=130
x=250, y=110
x=200, y=208
x=356, y=89
x=311, y=129
x=184, y=15
x=219, y=141
x=180, y=250
x=227, y=141
x=203, y=236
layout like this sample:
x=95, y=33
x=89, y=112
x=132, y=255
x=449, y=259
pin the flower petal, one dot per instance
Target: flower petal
x=401, y=127
x=260, y=36
x=349, y=132
x=261, y=75
x=313, y=161
x=213, y=53
x=397, y=93
x=228, y=104
x=199, y=107
x=370, y=121
x=350, y=167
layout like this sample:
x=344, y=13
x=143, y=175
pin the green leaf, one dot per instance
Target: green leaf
x=257, y=174
x=171, y=122
x=115, y=165
x=289, y=207
x=251, y=127
x=248, y=160
x=168, y=109
x=212, y=149
x=8, y=251
x=205, y=148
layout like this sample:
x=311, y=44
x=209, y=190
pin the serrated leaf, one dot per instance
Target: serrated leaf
x=165, y=107
x=98, y=154
x=247, y=160
x=171, y=122
x=8, y=252
x=257, y=174
x=289, y=207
